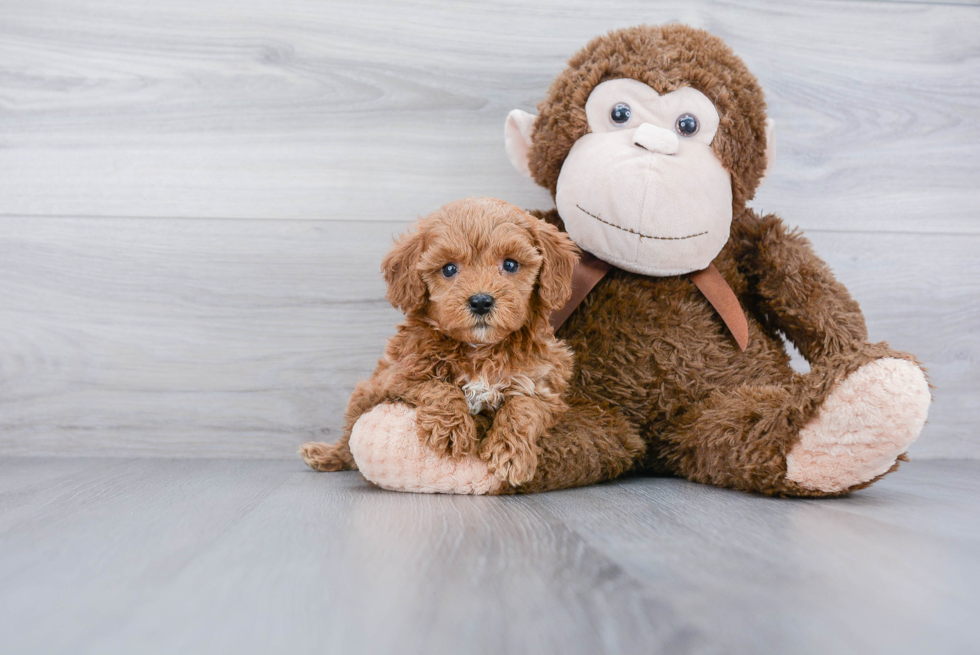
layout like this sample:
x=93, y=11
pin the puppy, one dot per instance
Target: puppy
x=475, y=356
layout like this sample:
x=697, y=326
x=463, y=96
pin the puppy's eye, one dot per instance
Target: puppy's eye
x=620, y=114
x=687, y=125
x=511, y=266
x=449, y=270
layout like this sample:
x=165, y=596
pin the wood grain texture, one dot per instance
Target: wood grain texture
x=157, y=297
x=195, y=338
x=218, y=556
x=185, y=337
x=383, y=110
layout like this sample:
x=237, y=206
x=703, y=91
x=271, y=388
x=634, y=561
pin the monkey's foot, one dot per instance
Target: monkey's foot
x=862, y=428
x=389, y=453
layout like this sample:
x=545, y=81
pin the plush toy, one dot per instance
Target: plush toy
x=651, y=141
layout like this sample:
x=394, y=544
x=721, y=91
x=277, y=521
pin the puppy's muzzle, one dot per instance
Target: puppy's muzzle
x=481, y=304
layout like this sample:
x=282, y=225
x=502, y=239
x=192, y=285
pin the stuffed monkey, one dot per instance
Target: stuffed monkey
x=651, y=142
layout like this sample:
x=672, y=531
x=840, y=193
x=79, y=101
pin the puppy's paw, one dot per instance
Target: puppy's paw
x=510, y=458
x=464, y=440
x=326, y=457
x=447, y=433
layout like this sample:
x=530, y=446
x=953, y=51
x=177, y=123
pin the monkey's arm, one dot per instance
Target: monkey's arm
x=795, y=290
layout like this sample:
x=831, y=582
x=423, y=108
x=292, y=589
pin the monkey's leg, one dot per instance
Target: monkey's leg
x=831, y=431
x=588, y=445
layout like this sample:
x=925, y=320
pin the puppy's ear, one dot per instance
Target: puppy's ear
x=560, y=256
x=406, y=288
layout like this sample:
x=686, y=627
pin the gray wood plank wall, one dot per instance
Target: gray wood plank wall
x=195, y=196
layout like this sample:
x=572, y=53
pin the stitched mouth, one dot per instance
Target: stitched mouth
x=639, y=234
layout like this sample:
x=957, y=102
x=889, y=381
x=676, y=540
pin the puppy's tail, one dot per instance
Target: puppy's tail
x=328, y=456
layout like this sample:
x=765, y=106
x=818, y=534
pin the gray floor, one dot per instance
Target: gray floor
x=217, y=556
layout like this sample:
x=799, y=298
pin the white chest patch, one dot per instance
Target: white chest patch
x=481, y=395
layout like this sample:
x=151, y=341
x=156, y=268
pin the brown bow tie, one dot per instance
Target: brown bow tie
x=591, y=269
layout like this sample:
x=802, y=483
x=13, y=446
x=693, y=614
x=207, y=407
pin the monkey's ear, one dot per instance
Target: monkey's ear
x=770, y=147
x=560, y=255
x=406, y=288
x=518, y=131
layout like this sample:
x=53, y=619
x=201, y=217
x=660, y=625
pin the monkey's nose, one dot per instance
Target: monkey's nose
x=656, y=139
x=481, y=304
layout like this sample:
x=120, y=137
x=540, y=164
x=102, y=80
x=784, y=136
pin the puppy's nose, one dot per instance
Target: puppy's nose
x=481, y=304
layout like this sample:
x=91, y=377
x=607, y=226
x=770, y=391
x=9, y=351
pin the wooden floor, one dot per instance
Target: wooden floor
x=263, y=556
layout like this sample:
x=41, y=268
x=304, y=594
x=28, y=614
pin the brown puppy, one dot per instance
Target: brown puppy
x=476, y=355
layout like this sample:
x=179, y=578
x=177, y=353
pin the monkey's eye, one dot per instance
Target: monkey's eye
x=687, y=125
x=620, y=114
x=449, y=270
x=511, y=266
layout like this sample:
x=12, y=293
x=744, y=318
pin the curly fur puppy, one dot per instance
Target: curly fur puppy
x=476, y=355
